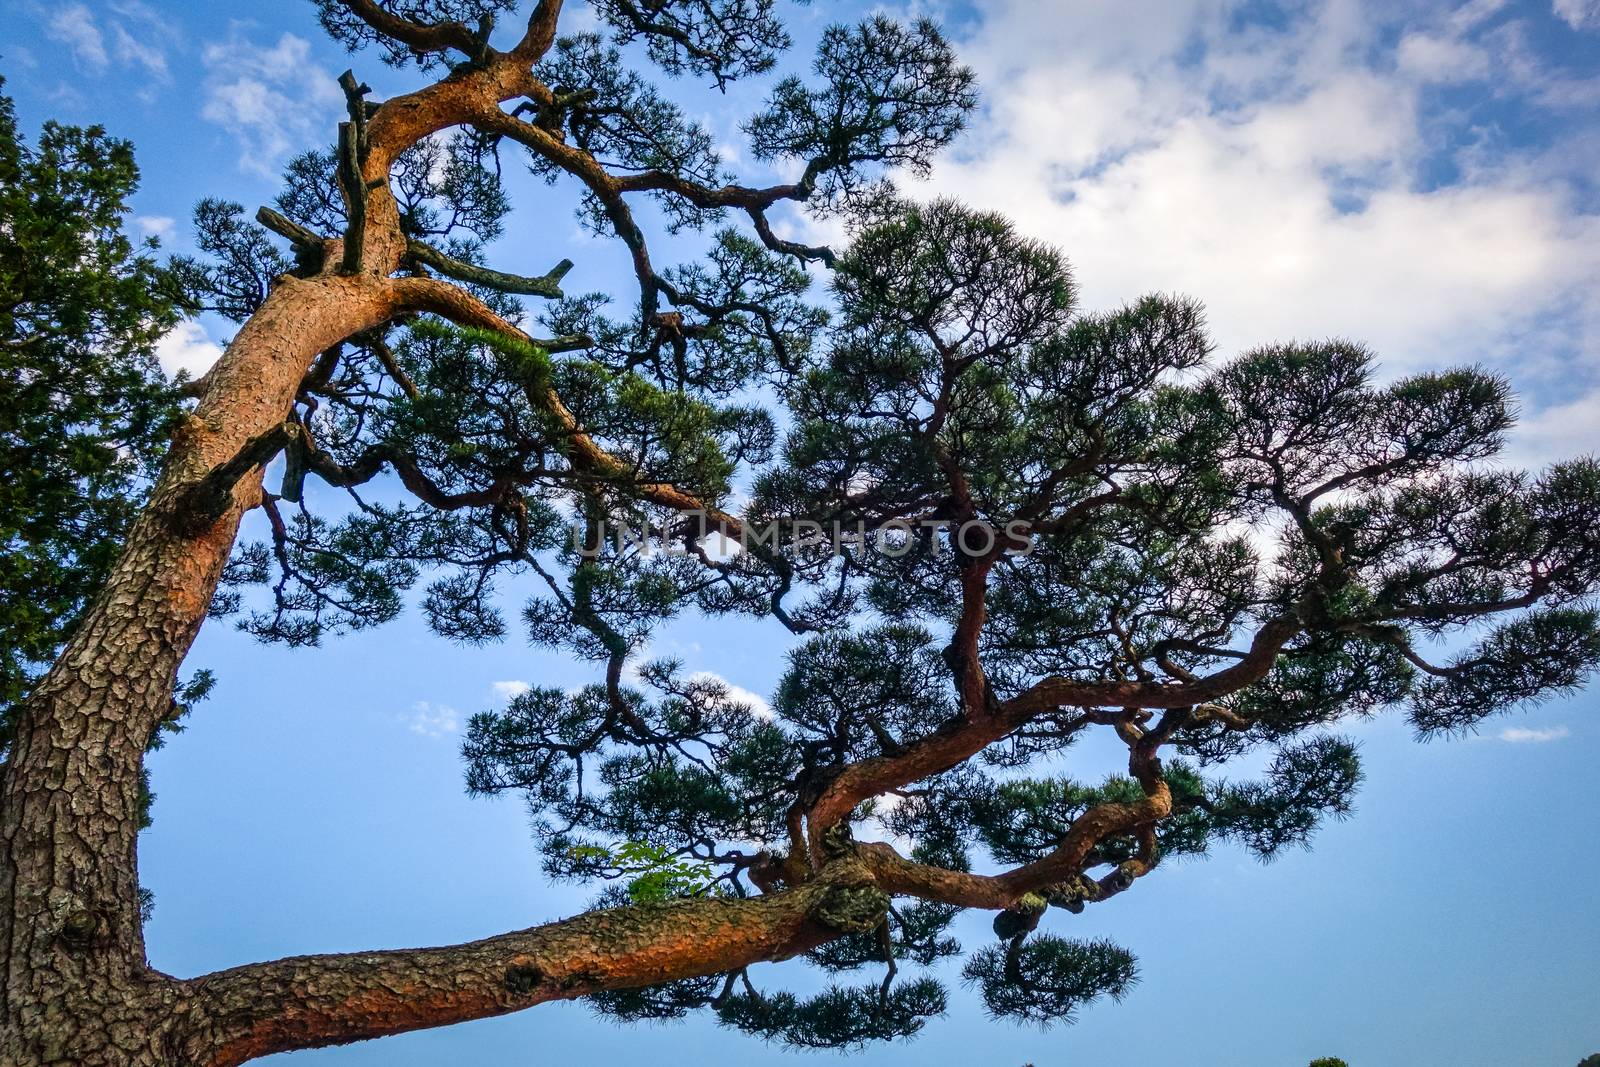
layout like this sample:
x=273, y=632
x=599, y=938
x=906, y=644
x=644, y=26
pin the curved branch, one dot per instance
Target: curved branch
x=541, y=32
x=423, y=37
x=899, y=876
x=583, y=452
x=962, y=739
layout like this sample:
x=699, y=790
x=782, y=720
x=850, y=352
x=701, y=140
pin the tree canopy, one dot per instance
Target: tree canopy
x=1223, y=555
x=87, y=411
x=1026, y=522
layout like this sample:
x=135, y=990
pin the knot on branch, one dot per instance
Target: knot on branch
x=77, y=923
x=1072, y=895
x=523, y=979
x=837, y=842
x=852, y=909
x=853, y=904
x=1021, y=918
x=197, y=508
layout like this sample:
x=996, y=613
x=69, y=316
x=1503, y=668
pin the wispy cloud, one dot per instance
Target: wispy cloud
x=1522, y=735
x=125, y=34
x=272, y=99
x=433, y=720
x=139, y=51
x=510, y=690
x=75, y=26
x=1579, y=14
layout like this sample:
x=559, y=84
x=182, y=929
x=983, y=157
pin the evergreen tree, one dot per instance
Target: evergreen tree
x=87, y=411
x=1078, y=521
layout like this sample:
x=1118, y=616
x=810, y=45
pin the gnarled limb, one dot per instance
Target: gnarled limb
x=423, y=37
x=314, y=1001
x=545, y=285
x=962, y=739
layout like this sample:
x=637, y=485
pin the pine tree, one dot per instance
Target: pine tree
x=1071, y=522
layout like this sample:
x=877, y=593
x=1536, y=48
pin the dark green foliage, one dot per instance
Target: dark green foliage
x=1275, y=529
x=670, y=1000
x=86, y=411
x=1305, y=783
x=838, y=1018
x=1334, y=1061
x=1540, y=654
x=241, y=262
x=858, y=695
x=725, y=39
x=1045, y=979
x=891, y=94
x=626, y=123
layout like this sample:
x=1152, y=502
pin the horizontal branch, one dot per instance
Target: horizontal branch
x=316, y=1001
x=283, y=226
x=898, y=876
x=546, y=285
x=1058, y=692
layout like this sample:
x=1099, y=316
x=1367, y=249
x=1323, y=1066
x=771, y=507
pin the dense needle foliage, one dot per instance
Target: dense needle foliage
x=1206, y=555
x=86, y=410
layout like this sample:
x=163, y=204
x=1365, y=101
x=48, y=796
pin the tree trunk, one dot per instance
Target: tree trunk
x=74, y=988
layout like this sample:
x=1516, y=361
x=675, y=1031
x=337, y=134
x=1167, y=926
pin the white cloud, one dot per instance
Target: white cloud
x=272, y=99
x=1281, y=175
x=128, y=33
x=160, y=226
x=1578, y=14
x=74, y=26
x=134, y=50
x=510, y=690
x=1524, y=735
x=1557, y=432
x=758, y=704
x=187, y=348
x=433, y=720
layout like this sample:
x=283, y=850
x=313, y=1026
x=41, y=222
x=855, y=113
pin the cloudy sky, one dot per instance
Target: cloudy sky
x=1421, y=177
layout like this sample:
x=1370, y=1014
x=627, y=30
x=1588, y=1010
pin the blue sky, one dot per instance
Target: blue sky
x=1424, y=177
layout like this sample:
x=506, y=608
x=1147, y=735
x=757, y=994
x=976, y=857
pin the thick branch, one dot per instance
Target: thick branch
x=424, y=37
x=297, y=235
x=898, y=876
x=315, y=1001
x=541, y=32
